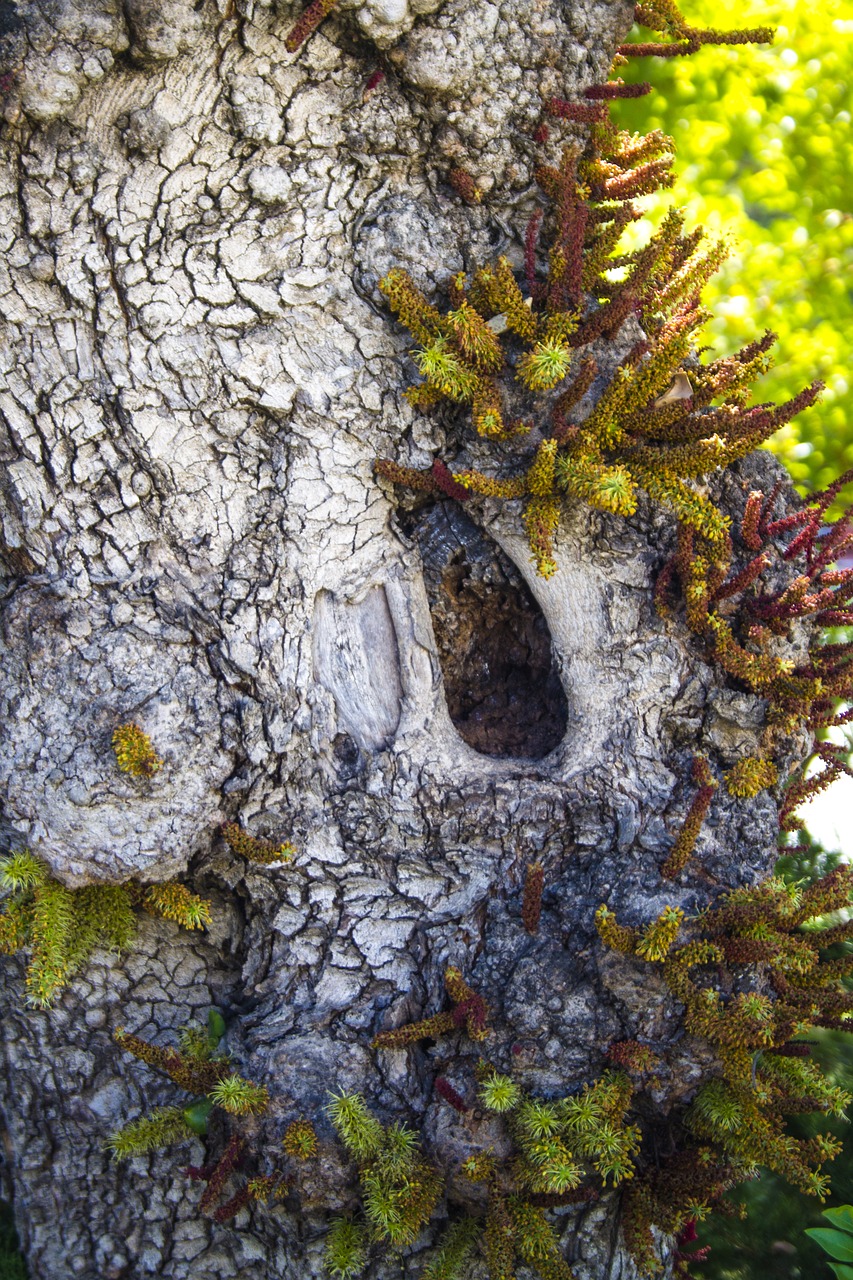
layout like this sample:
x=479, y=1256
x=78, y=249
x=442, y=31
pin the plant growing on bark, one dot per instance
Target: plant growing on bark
x=655, y=426
x=346, y=1249
x=752, y=974
x=399, y=1189
x=200, y=1069
x=308, y=23
x=748, y=621
x=531, y=903
x=300, y=1141
x=558, y=1145
x=135, y=752
x=685, y=841
x=197, y=1066
x=255, y=848
x=457, y=1248
x=173, y=901
x=562, y=1142
x=61, y=927
x=470, y=1012
x=749, y=776
x=672, y=1196
x=634, y=1058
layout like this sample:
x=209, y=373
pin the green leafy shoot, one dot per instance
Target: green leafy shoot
x=359, y=1131
x=161, y=1128
x=240, y=1097
x=346, y=1249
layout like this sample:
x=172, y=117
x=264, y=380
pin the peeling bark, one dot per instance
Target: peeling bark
x=197, y=373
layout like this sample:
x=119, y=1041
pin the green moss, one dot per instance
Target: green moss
x=61, y=927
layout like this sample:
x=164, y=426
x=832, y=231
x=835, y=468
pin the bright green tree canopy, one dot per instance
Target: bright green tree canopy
x=765, y=151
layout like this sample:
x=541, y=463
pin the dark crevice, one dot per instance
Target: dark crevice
x=503, y=689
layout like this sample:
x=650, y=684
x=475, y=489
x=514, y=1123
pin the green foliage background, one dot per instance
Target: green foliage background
x=12, y=1265
x=765, y=157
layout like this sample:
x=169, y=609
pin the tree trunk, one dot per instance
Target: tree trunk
x=197, y=375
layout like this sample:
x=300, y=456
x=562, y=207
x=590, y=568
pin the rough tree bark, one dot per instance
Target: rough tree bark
x=197, y=373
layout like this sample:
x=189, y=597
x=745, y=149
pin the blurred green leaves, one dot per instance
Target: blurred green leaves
x=837, y=1240
x=765, y=157
x=12, y=1265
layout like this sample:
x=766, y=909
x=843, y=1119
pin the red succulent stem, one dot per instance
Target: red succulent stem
x=580, y=112
x=617, y=89
x=531, y=237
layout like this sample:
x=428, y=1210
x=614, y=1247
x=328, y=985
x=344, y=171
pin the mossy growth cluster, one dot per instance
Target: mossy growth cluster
x=748, y=621
x=664, y=420
x=755, y=973
x=200, y=1069
x=256, y=848
x=558, y=1147
x=59, y=928
x=135, y=752
x=399, y=1188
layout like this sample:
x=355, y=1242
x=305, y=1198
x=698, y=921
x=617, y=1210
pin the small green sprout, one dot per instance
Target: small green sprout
x=499, y=1093
x=346, y=1249
x=240, y=1097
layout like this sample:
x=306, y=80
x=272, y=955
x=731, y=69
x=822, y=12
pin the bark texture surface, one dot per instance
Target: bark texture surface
x=197, y=373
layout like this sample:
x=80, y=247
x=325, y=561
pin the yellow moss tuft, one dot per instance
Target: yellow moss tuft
x=750, y=776
x=174, y=901
x=135, y=753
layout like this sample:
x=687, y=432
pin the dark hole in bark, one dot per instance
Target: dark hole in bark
x=346, y=754
x=503, y=690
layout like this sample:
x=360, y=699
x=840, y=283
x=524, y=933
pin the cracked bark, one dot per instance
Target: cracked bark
x=197, y=373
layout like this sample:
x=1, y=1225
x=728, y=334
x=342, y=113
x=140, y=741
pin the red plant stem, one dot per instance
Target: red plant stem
x=742, y=580
x=798, y=1049
x=798, y=792
x=531, y=907
x=445, y=1090
x=580, y=112
x=574, y=241
x=767, y=510
x=233, y=1206
x=465, y=185
x=227, y=1163
x=686, y=839
x=617, y=89
x=835, y=756
x=531, y=237
x=835, y=545
x=308, y=23
x=750, y=524
x=471, y=1014
x=662, y=586
x=652, y=49
x=374, y=81
x=443, y=477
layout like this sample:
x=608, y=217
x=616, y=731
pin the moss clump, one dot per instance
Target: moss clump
x=135, y=752
x=61, y=927
x=399, y=1188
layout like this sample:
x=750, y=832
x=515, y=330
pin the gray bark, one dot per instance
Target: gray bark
x=197, y=373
